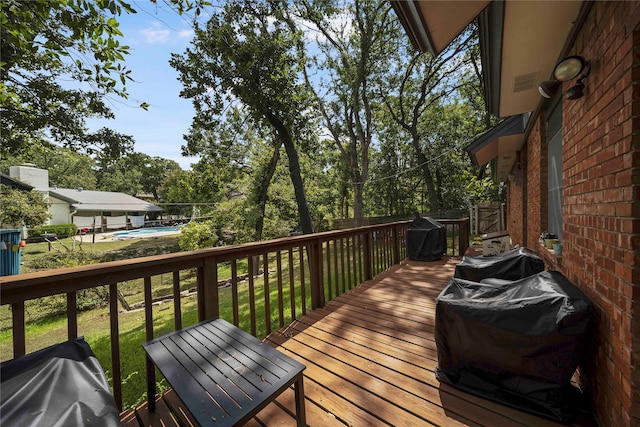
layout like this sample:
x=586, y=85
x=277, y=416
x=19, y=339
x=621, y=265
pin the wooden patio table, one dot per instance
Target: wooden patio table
x=223, y=375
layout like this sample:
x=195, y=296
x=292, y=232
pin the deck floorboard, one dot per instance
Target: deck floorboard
x=370, y=357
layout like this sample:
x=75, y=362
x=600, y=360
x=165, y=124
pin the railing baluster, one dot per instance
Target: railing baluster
x=329, y=290
x=367, y=256
x=148, y=308
x=200, y=293
x=116, y=374
x=396, y=246
x=354, y=245
x=360, y=260
x=385, y=249
x=349, y=260
x=177, y=310
x=252, y=295
x=234, y=292
x=342, y=268
x=376, y=253
x=148, y=318
x=19, y=336
x=280, y=293
x=315, y=274
x=267, y=303
x=335, y=264
x=72, y=316
x=303, y=285
x=292, y=285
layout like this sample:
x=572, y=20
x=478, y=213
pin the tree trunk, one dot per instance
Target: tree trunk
x=294, y=171
x=298, y=186
x=261, y=192
x=357, y=203
x=434, y=203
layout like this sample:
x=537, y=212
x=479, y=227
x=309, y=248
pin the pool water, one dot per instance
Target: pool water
x=146, y=231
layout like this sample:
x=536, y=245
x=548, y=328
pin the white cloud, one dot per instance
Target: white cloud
x=158, y=33
x=155, y=34
x=185, y=34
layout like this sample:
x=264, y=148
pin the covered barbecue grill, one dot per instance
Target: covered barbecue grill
x=518, y=343
x=512, y=265
x=60, y=385
x=426, y=239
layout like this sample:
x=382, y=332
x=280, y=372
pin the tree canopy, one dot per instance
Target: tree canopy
x=305, y=112
x=45, y=43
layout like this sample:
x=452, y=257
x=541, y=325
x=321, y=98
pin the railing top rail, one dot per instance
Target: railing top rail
x=50, y=282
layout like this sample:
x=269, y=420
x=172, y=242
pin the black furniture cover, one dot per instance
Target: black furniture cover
x=61, y=385
x=511, y=265
x=426, y=239
x=517, y=343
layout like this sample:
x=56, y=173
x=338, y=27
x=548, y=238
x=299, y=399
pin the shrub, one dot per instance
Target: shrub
x=62, y=230
x=198, y=235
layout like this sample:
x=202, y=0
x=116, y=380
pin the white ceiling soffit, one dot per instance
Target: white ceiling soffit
x=499, y=145
x=446, y=19
x=508, y=147
x=534, y=33
x=432, y=25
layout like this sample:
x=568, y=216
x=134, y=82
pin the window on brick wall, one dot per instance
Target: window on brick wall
x=554, y=167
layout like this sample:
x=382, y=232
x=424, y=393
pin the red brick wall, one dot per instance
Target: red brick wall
x=536, y=183
x=601, y=211
x=515, y=206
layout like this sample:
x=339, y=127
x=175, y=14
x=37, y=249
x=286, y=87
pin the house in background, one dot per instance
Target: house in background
x=86, y=208
x=571, y=163
x=14, y=183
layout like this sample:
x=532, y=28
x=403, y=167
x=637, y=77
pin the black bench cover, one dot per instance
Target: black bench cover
x=517, y=343
x=61, y=385
x=426, y=240
x=511, y=265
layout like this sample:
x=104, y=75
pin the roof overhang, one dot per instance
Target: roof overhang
x=106, y=207
x=521, y=42
x=432, y=25
x=499, y=145
x=14, y=183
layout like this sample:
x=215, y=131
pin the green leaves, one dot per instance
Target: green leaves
x=46, y=42
x=20, y=208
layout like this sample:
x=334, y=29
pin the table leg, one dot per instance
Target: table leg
x=151, y=385
x=300, y=411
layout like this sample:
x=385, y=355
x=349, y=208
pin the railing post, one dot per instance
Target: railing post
x=19, y=339
x=148, y=320
x=367, y=256
x=72, y=316
x=115, y=344
x=208, y=307
x=316, y=279
x=464, y=235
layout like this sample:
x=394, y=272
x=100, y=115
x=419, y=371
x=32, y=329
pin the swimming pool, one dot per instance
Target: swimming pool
x=146, y=232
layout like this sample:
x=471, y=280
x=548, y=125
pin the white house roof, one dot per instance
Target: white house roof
x=89, y=200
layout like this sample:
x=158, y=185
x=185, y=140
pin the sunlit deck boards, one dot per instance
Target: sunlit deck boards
x=370, y=356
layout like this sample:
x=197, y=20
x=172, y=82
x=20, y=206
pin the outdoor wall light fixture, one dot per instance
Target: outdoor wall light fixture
x=567, y=69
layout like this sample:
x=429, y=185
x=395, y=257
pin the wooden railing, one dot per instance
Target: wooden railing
x=309, y=270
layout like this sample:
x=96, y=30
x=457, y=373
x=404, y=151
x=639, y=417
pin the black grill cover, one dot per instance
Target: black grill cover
x=426, y=240
x=511, y=265
x=517, y=343
x=61, y=385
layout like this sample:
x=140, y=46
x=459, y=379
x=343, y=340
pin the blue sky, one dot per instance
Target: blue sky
x=152, y=35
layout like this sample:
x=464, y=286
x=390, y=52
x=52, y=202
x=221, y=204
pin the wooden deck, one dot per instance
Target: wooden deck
x=370, y=356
